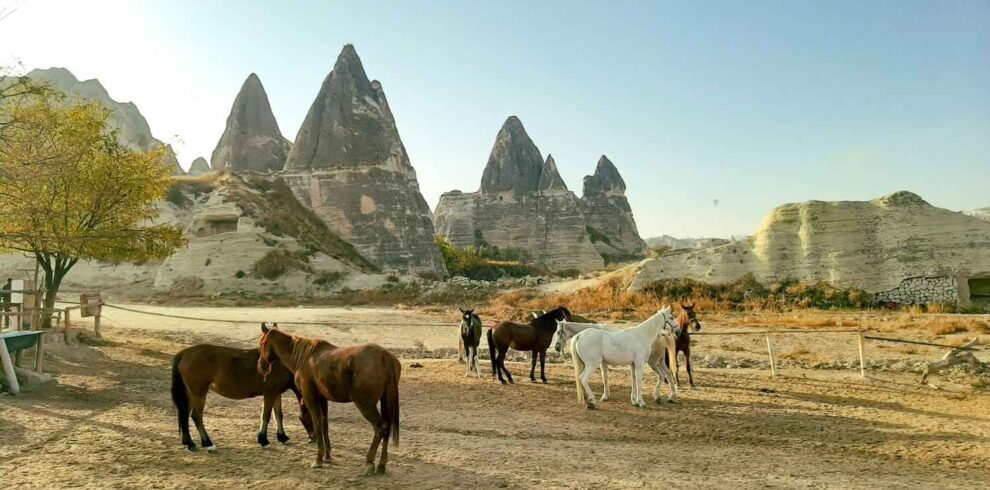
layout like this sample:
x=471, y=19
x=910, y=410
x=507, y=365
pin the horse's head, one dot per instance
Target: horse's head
x=267, y=350
x=688, y=317
x=670, y=324
x=466, y=317
x=559, y=346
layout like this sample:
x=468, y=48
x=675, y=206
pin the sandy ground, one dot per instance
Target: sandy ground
x=109, y=423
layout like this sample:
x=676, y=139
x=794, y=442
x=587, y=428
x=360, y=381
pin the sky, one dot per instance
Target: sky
x=714, y=112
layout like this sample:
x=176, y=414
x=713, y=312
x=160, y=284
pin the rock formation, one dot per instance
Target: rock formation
x=348, y=163
x=681, y=243
x=251, y=140
x=133, y=129
x=199, y=167
x=982, y=213
x=523, y=203
x=611, y=222
x=896, y=246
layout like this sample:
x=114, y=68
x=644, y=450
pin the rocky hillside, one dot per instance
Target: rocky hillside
x=247, y=237
x=897, y=243
x=681, y=243
x=199, y=167
x=349, y=165
x=523, y=203
x=982, y=213
x=251, y=140
x=125, y=117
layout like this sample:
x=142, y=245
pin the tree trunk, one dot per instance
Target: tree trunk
x=55, y=270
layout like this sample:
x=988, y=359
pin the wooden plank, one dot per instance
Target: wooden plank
x=8, y=369
x=39, y=354
x=773, y=362
x=862, y=354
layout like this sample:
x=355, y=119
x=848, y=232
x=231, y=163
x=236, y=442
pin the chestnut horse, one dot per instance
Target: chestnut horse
x=534, y=337
x=682, y=342
x=363, y=374
x=230, y=373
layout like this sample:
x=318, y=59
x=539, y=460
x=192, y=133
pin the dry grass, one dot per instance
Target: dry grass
x=797, y=353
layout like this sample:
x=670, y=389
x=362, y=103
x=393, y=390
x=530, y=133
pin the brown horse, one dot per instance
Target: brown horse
x=534, y=337
x=362, y=374
x=682, y=343
x=230, y=373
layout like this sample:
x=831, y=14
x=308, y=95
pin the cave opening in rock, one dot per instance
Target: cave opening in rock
x=979, y=288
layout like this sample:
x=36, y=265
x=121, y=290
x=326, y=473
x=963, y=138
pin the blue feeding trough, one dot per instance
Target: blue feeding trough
x=11, y=342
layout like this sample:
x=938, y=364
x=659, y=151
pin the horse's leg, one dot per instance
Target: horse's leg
x=501, y=363
x=372, y=415
x=589, y=369
x=637, y=369
x=325, y=414
x=605, y=392
x=532, y=368
x=460, y=349
x=467, y=371
x=280, y=429
x=266, y=416
x=687, y=364
x=198, y=405
x=316, y=415
x=497, y=355
x=543, y=366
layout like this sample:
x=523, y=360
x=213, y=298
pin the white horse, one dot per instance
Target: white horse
x=631, y=347
x=662, y=345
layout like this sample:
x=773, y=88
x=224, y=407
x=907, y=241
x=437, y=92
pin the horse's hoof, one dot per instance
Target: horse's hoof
x=284, y=439
x=189, y=447
x=380, y=469
x=591, y=406
x=210, y=449
x=545, y=381
x=532, y=380
x=316, y=465
x=266, y=446
x=369, y=470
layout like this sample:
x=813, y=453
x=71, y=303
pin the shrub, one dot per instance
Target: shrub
x=485, y=262
x=326, y=279
x=279, y=261
x=239, y=274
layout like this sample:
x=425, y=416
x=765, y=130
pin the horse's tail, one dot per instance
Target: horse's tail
x=180, y=397
x=390, y=400
x=492, y=351
x=578, y=368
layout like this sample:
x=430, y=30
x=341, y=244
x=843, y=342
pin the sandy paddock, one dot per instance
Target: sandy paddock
x=109, y=422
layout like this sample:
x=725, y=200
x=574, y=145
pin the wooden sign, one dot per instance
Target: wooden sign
x=90, y=304
x=17, y=285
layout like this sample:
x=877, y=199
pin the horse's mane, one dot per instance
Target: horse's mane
x=302, y=348
x=549, y=318
x=683, y=320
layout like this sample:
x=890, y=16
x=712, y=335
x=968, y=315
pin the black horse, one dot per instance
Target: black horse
x=682, y=343
x=534, y=337
x=470, y=339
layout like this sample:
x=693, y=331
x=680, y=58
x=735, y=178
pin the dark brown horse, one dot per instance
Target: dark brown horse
x=534, y=337
x=230, y=373
x=362, y=374
x=682, y=343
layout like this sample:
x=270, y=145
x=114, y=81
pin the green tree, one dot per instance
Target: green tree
x=70, y=191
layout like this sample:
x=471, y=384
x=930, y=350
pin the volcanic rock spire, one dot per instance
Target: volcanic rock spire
x=607, y=211
x=251, y=141
x=348, y=163
x=514, y=163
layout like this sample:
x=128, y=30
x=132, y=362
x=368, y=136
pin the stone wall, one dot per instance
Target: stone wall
x=922, y=290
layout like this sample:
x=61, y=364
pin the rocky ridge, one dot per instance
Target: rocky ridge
x=251, y=140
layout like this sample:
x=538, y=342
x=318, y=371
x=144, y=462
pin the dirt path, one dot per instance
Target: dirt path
x=109, y=423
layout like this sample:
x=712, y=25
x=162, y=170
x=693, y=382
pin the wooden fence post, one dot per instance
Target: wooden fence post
x=773, y=362
x=39, y=354
x=67, y=325
x=862, y=354
x=96, y=323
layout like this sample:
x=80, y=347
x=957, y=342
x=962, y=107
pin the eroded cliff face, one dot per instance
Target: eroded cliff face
x=251, y=140
x=133, y=129
x=609, y=215
x=523, y=203
x=199, y=167
x=872, y=245
x=349, y=165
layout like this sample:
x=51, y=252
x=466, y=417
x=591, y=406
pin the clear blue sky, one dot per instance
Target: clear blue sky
x=751, y=103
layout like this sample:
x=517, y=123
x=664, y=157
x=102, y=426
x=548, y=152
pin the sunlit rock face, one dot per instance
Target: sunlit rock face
x=879, y=246
x=608, y=213
x=199, y=167
x=251, y=140
x=523, y=203
x=350, y=166
x=132, y=128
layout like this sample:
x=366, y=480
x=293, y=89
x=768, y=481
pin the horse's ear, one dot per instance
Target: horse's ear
x=462, y=309
x=264, y=327
x=275, y=325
